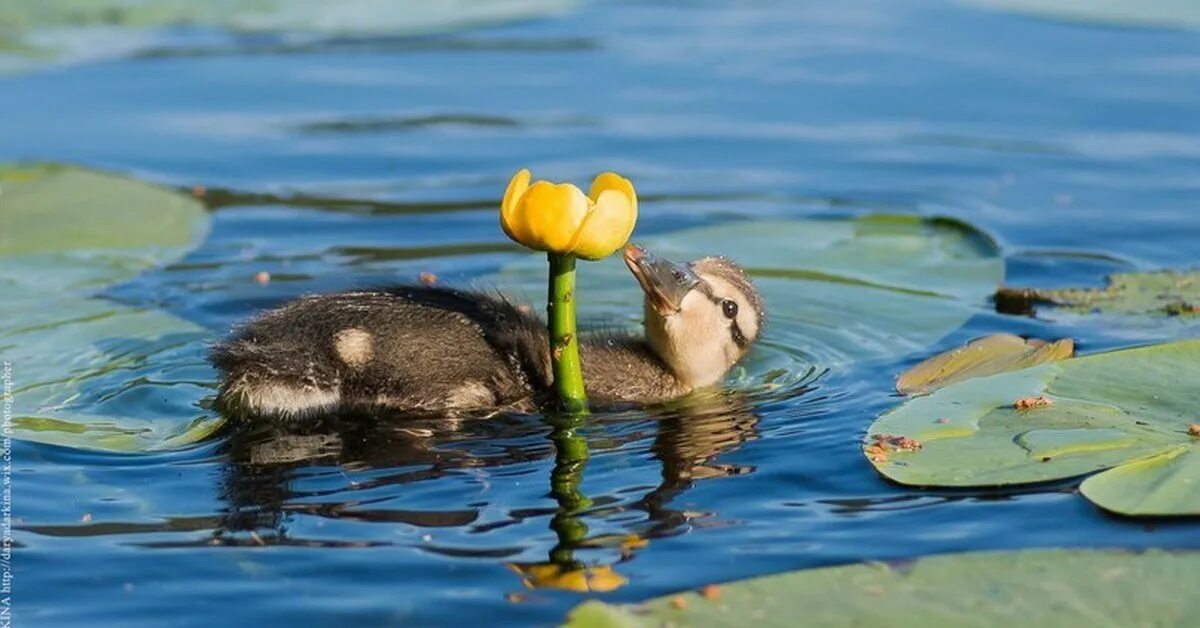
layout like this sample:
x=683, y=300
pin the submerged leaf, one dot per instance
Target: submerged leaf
x=93, y=374
x=986, y=356
x=836, y=290
x=1032, y=587
x=1099, y=412
x=1162, y=293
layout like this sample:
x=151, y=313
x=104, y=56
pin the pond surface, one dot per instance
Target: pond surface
x=344, y=163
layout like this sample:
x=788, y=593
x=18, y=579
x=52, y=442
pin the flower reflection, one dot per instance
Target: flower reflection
x=562, y=570
x=569, y=577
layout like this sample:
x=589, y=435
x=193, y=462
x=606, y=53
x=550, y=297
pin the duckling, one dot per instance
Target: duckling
x=431, y=350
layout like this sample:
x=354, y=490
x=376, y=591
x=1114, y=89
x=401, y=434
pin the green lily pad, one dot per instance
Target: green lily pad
x=40, y=31
x=1031, y=588
x=836, y=290
x=93, y=374
x=1162, y=293
x=1163, y=13
x=87, y=372
x=998, y=353
x=349, y=16
x=67, y=228
x=1167, y=483
x=1104, y=410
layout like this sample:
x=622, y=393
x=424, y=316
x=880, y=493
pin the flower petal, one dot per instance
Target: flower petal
x=508, y=207
x=551, y=214
x=607, y=227
x=613, y=181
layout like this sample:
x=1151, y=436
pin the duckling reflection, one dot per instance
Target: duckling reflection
x=267, y=462
x=438, y=351
x=691, y=438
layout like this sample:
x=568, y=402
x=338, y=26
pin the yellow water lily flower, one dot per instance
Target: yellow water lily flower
x=560, y=219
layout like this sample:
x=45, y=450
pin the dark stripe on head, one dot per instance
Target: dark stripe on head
x=728, y=270
x=739, y=338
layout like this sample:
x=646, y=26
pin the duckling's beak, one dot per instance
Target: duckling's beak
x=664, y=282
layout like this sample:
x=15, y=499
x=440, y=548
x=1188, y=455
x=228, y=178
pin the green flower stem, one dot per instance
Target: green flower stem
x=564, y=342
x=571, y=452
x=571, y=456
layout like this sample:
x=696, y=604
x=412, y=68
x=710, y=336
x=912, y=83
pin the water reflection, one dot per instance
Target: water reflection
x=265, y=462
x=690, y=439
x=270, y=471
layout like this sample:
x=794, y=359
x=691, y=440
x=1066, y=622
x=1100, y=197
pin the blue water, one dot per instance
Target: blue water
x=1075, y=146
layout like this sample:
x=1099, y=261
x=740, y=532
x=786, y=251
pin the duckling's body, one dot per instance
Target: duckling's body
x=438, y=350
x=416, y=349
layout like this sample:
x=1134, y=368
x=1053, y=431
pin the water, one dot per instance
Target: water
x=1076, y=147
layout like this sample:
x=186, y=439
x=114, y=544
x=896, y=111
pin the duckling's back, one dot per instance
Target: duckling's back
x=414, y=349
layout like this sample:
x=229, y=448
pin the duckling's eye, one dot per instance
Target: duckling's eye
x=729, y=308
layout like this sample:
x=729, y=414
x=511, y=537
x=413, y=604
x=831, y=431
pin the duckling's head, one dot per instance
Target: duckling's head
x=701, y=317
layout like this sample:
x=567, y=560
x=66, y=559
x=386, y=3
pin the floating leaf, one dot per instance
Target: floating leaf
x=87, y=372
x=1163, y=293
x=94, y=374
x=836, y=290
x=1163, y=484
x=37, y=31
x=348, y=16
x=1163, y=13
x=1104, y=410
x=998, y=353
x=67, y=228
x=1032, y=587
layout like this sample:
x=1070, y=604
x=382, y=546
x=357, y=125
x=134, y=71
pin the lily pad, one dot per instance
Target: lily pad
x=67, y=228
x=93, y=374
x=998, y=353
x=85, y=371
x=1092, y=413
x=1162, y=13
x=40, y=31
x=836, y=290
x=1162, y=293
x=1163, y=484
x=1033, y=587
